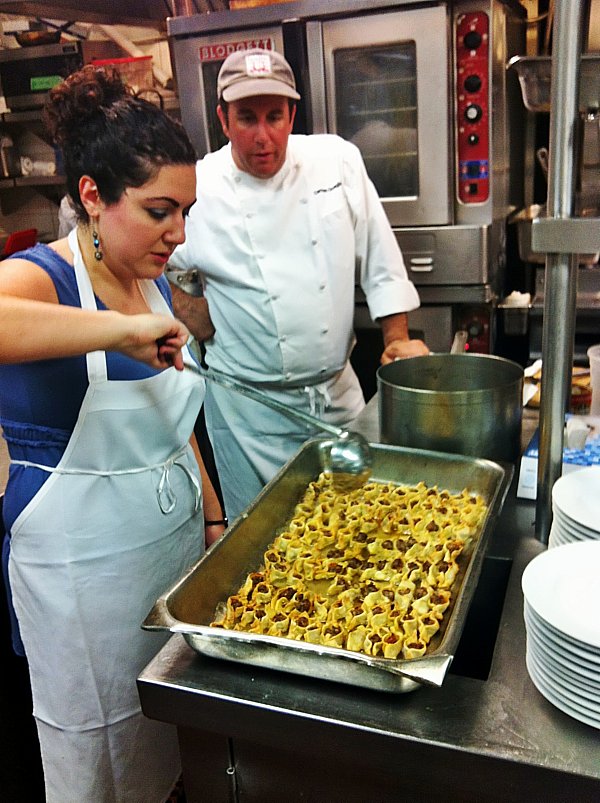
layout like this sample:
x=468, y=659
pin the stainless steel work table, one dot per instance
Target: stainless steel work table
x=258, y=735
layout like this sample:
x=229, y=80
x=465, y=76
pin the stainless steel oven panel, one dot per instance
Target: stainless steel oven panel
x=427, y=29
x=433, y=325
x=196, y=80
x=446, y=255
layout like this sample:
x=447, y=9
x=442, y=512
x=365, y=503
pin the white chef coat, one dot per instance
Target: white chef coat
x=279, y=259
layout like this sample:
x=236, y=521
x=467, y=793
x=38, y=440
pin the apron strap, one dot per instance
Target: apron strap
x=167, y=499
x=95, y=360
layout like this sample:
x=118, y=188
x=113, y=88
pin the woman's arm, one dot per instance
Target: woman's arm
x=212, y=506
x=34, y=326
x=40, y=330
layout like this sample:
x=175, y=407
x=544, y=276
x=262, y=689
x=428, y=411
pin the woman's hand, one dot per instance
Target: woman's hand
x=156, y=340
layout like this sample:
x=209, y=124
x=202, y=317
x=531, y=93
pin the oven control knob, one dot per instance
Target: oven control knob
x=472, y=40
x=473, y=113
x=472, y=83
x=473, y=139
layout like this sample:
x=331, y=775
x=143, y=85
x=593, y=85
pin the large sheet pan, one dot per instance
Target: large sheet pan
x=189, y=606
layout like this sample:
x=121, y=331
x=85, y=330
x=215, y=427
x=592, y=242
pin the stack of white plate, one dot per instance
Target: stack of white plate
x=576, y=507
x=562, y=618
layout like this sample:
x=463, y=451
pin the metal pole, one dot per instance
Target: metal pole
x=561, y=269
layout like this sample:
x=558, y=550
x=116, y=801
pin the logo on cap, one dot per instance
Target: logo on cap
x=258, y=64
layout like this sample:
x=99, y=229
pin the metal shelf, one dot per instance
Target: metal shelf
x=534, y=74
x=565, y=235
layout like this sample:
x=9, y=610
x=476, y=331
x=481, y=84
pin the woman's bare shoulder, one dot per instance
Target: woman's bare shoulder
x=26, y=279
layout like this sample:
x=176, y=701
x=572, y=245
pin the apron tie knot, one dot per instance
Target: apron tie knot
x=319, y=399
x=167, y=498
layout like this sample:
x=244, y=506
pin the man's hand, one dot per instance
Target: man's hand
x=193, y=311
x=400, y=349
x=398, y=344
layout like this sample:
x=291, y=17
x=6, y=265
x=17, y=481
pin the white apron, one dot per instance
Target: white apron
x=116, y=523
x=254, y=442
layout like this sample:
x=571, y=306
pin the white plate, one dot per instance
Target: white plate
x=588, y=688
x=581, y=648
x=568, y=525
x=577, y=494
x=561, y=585
x=580, y=702
x=572, y=657
x=548, y=690
x=557, y=538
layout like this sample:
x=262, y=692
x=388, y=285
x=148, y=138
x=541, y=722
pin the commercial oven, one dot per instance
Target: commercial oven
x=422, y=89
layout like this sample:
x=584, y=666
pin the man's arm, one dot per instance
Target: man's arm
x=396, y=339
x=383, y=275
x=193, y=311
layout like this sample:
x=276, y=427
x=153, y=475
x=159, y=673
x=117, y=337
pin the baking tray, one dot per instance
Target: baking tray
x=535, y=78
x=189, y=606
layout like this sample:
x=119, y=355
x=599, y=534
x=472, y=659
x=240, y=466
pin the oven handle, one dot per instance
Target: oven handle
x=421, y=264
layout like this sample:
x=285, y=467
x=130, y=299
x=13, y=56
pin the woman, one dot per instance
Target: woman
x=104, y=500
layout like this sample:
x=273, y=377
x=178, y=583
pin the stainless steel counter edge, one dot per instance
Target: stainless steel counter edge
x=501, y=721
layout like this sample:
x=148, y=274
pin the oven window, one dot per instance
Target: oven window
x=376, y=109
x=216, y=137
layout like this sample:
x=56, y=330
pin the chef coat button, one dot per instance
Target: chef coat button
x=288, y=375
x=249, y=214
x=322, y=286
x=324, y=330
x=274, y=297
x=303, y=200
x=237, y=179
x=282, y=339
x=322, y=370
x=314, y=242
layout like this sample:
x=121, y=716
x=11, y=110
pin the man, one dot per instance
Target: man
x=282, y=226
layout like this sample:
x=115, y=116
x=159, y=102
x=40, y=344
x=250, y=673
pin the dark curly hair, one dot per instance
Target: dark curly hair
x=107, y=133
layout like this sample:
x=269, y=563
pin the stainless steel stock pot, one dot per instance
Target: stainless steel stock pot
x=461, y=403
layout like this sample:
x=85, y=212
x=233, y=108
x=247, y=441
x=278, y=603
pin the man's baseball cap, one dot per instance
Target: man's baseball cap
x=247, y=73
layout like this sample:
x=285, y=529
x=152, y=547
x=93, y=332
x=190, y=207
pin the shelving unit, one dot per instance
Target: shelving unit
x=30, y=200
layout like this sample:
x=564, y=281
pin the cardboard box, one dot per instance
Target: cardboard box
x=573, y=459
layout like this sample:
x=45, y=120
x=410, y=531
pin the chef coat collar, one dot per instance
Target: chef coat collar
x=272, y=183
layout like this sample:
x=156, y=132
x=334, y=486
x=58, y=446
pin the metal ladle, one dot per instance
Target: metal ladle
x=350, y=458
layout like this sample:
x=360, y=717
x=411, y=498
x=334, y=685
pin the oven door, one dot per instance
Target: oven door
x=197, y=63
x=381, y=81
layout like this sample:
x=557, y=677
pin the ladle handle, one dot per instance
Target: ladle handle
x=262, y=398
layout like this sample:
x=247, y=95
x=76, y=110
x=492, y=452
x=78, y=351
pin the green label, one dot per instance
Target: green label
x=44, y=82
